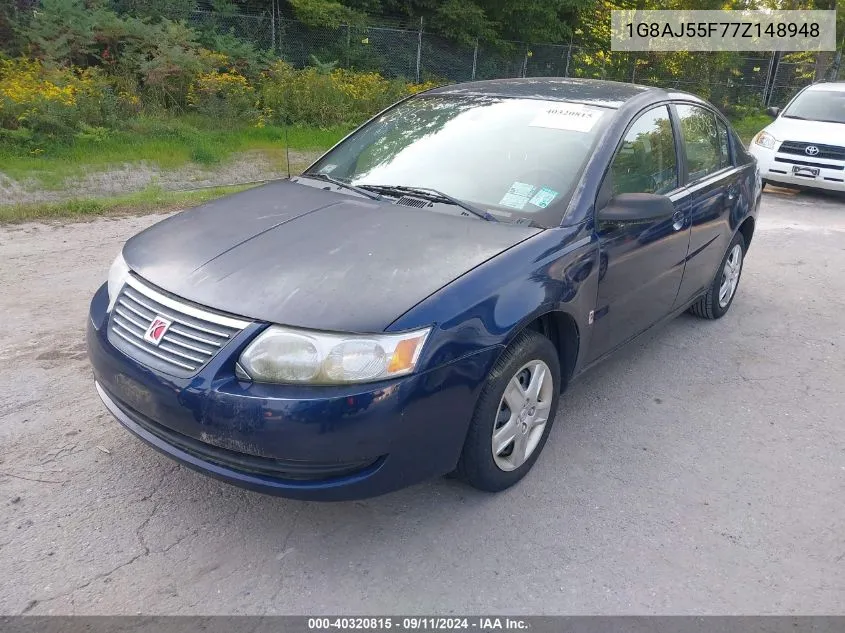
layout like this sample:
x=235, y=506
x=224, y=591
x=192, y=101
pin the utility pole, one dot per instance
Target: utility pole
x=273, y=24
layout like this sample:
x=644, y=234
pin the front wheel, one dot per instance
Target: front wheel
x=716, y=303
x=514, y=415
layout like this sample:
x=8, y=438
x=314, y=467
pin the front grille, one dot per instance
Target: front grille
x=193, y=338
x=830, y=152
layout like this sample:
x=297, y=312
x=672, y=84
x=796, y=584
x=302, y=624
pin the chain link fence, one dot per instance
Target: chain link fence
x=728, y=80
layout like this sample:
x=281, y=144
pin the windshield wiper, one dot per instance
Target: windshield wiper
x=344, y=185
x=435, y=196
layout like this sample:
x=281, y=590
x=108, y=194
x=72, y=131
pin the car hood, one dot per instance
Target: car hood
x=785, y=129
x=303, y=256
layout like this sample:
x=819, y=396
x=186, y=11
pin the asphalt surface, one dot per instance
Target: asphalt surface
x=701, y=470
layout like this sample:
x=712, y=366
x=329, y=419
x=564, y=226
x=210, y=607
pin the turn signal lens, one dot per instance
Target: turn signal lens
x=405, y=354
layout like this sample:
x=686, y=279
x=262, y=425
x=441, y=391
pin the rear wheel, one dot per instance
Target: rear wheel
x=514, y=415
x=716, y=303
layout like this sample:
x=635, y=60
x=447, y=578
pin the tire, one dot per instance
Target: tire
x=711, y=305
x=529, y=356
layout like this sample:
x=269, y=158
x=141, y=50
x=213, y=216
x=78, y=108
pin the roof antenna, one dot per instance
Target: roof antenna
x=287, y=143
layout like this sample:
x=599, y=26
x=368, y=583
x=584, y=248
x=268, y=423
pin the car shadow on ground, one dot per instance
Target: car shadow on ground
x=804, y=194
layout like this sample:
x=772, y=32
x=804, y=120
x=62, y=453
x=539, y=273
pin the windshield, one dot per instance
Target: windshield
x=818, y=105
x=515, y=158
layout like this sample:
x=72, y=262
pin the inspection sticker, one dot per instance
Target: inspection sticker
x=575, y=117
x=543, y=198
x=521, y=189
x=518, y=195
x=513, y=201
x=327, y=169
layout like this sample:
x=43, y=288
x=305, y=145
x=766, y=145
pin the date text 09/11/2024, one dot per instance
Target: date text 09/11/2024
x=418, y=623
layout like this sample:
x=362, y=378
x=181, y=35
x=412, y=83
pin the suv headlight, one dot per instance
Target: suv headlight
x=764, y=139
x=288, y=355
x=118, y=274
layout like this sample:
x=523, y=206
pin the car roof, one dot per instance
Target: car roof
x=611, y=94
x=828, y=86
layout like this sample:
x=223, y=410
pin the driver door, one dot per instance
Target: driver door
x=641, y=263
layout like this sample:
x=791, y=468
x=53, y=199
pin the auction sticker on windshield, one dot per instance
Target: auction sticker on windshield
x=575, y=117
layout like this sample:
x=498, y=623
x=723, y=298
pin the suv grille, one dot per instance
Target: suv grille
x=193, y=338
x=831, y=152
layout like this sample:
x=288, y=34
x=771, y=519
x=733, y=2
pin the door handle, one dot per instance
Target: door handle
x=678, y=220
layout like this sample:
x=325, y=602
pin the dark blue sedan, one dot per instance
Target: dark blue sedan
x=416, y=301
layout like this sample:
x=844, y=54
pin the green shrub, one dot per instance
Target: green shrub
x=339, y=97
x=223, y=95
x=56, y=103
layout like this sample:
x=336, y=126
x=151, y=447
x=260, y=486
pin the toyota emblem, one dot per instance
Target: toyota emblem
x=811, y=150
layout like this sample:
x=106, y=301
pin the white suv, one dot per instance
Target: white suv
x=805, y=144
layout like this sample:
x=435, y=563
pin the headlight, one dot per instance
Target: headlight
x=286, y=355
x=764, y=139
x=118, y=273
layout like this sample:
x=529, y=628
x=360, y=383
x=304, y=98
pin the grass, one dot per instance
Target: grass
x=749, y=125
x=152, y=200
x=170, y=143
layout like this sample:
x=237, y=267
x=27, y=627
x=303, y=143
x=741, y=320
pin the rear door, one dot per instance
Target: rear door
x=714, y=184
x=641, y=264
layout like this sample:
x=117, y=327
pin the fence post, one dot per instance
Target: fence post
x=568, y=57
x=768, y=78
x=273, y=24
x=475, y=59
x=525, y=62
x=419, y=49
x=634, y=71
x=348, y=44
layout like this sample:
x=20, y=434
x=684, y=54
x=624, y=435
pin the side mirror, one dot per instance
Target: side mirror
x=773, y=112
x=637, y=207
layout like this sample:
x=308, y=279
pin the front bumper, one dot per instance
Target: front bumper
x=321, y=443
x=777, y=168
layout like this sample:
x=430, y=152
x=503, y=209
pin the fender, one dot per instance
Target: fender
x=491, y=304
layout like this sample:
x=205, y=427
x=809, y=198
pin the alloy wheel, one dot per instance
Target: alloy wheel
x=730, y=276
x=522, y=415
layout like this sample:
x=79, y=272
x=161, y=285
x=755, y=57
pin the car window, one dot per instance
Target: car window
x=516, y=158
x=724, y=147
x=818, y=105
x=646, y=161
x=701, y=141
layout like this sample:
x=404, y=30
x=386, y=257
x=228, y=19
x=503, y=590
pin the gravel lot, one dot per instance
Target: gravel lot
x=699, y=471
x=242, y=167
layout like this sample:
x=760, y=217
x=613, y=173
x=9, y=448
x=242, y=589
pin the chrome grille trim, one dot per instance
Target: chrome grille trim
x=181, y=332
x=194, y=337
x=130, y=319
x=139, y=346
x=211, y=317
x=830, y=152
x=171, y=339
x=169, y=315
